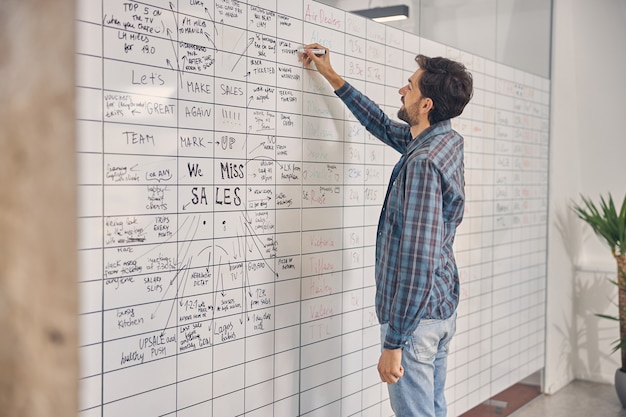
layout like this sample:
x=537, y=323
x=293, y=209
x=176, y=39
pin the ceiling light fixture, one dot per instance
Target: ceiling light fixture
x=385, y=14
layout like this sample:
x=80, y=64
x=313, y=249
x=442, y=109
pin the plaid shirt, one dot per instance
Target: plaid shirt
x=416, y=273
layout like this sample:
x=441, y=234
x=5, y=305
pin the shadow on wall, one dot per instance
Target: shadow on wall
x=587, y=340
x=571, y=231
x=593, y=294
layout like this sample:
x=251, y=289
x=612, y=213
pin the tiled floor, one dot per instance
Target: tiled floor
x=578, y=399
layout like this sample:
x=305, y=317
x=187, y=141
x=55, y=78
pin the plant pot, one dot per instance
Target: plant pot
x=620, y=386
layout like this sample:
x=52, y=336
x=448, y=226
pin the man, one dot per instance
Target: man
x=417, y=284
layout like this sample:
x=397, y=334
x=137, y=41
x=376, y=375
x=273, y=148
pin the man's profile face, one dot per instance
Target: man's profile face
x=411, y=97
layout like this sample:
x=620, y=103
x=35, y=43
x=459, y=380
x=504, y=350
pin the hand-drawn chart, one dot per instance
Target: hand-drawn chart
x=229, y=203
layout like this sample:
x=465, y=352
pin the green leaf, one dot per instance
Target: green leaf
x=619, y=345
x=605, y=220
x=617, y=284
x=604, y=316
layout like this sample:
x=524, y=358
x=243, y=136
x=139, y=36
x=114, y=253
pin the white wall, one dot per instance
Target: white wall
x=587, y=156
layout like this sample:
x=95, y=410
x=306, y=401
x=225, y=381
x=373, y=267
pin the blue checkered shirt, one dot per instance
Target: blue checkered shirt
x=416, y=273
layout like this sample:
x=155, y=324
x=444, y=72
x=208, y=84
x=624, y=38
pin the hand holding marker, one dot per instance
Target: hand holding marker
x=316, y=56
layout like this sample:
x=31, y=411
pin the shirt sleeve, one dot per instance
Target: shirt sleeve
x=419, y=251
x=370, y=115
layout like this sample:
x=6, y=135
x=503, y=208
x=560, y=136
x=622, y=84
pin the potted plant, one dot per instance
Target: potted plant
x=610, y=225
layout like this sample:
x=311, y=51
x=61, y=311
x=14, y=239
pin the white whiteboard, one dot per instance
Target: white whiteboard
x=228, y=204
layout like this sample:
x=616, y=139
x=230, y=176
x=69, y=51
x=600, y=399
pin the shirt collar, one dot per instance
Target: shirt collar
x=438, y=128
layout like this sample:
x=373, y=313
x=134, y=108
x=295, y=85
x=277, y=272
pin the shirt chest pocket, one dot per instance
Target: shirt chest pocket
x=395, y=201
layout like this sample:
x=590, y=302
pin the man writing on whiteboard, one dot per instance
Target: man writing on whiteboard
x=417, y=283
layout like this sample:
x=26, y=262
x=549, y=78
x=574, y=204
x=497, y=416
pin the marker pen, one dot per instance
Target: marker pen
x=315, y=51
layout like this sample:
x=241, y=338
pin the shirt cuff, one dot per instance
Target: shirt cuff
x=395, y=340
x=341, y=91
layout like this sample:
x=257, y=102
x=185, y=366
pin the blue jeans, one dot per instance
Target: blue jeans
x=420, y=391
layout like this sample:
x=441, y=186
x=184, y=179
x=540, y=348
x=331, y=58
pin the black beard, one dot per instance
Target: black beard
x=409, y=114
x=403, y=115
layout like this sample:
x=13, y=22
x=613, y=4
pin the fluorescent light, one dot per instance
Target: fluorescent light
x=385, y=14
x=390, y=18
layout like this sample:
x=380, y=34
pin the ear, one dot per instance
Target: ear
x=426, y=105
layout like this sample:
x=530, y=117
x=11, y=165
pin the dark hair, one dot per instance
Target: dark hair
x=447, y=83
